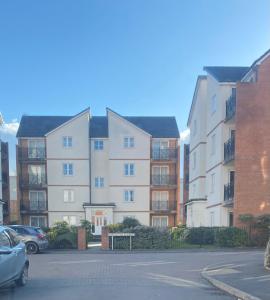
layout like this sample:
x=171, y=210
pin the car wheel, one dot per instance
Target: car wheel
x=23, y=277
x=32, y=248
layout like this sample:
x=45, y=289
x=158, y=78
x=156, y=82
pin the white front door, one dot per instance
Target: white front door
x=100, y=221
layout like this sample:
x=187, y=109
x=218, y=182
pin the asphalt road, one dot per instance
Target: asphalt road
x=76, y=275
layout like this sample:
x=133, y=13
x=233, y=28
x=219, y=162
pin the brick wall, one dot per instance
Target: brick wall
x=105, y=238
x=252, y=152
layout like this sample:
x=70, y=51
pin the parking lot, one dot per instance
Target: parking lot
x=86, y=275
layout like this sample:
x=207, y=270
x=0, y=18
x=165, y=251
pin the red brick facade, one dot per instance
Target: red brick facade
x=252, y=152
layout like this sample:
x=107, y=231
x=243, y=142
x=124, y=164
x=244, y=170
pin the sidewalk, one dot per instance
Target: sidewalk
x=248, y=281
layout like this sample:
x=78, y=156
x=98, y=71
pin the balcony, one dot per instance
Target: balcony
x=163, y=205
x=34, y=206
x=163, y=180
x=4, y=178
x=229, y=150
x=230, y=107
x=37, y=154
x=229, y=193
x=164, y=154
x=37, y=182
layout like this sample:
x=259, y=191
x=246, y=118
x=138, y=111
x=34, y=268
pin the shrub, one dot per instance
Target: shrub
x=200, y=235
x=178, y=233
x=232, y=237
x=130, y=223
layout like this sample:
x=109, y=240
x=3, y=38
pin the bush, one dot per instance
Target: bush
x=178, y=233
x=232, y=237
x=200, y=235
x=130, y=223
x=62, y=236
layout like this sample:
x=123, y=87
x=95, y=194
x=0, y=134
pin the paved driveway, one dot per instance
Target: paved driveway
x=71, y=276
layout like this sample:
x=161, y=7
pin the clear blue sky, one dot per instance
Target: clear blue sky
x=138, y=57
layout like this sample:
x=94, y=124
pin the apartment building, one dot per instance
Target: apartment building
x=229, y=145
x=99, y=168
x=4, y=183
x=13, y=203
x=185, y=182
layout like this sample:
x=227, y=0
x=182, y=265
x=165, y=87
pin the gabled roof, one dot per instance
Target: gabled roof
x=39, y=126
x=227, y=74
x=157, y=127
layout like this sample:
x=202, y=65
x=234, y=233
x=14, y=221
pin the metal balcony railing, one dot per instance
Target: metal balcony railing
x=32, y=154
x=34, y=182
x=230, y=107
x=229, y=193
x=229, y=149
x=163, y=180
x=34, y=206
x=163, y=205
x=164, y=154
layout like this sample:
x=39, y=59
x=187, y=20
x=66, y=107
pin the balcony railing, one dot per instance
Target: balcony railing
x=4, y=178
x=32, y=154
x=164, y=154
x=34, y=182
x=163, y=180
x=163, y=205
x=229, y=150
x=230, y=107
x=229, y=193
x=34, y=206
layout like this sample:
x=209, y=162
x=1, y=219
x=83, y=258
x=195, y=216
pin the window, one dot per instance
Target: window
x=129, y=142
x=4, y=240
x=129, y=195
x=213, y=144
x=213, y=104
x=67, y=141
x=160, y=221
x=99, y=182
x=160, y=200
x=194, y=160
x=98, y=145
x=194, y=127
x=129, y=169
x=68, y=195
x=36, y=174
x=37, y=200
x=212, y=187
x=68, y=169
x=71, y=220
x=38, y=221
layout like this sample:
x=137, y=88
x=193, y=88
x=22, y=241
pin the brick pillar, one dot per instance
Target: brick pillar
x=82, y=238
x=105, y=245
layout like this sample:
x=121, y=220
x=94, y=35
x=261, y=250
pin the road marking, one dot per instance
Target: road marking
x=233, y=253
x=176, y=281
x=69, y=262
x=145, y=263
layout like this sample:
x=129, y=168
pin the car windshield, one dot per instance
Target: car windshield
x=35, y=230
x=4, y=241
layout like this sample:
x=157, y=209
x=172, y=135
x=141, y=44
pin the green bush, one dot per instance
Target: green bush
x=130, y=223
x=200, y=235
x=232, y=237
x=178, y=233
x=61, y=235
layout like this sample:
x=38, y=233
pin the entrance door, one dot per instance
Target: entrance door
x=99, y=222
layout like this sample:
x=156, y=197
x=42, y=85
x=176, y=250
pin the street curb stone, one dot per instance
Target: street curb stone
x=228, y=288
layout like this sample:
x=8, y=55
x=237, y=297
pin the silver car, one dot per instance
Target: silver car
x=33, y=237
x=14, y=263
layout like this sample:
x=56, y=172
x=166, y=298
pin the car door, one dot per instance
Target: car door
x=18, y=248
x=7, y=266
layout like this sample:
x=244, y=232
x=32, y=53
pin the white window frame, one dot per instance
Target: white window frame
x=129, y=167
x=129, y=142
x=159, y=218
x=68, y=169
x=212, y=219
x=67, y=142
x=212, y=182
x=68, y=195
x=98, y=145
x=38, y=217
x=129, y=196
x=99, y=182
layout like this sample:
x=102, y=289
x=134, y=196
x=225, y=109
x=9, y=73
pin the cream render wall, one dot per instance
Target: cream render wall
x=78, y=155
x=196, y=214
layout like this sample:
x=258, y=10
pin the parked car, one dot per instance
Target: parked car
x=14, y=263
x=33, y=237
